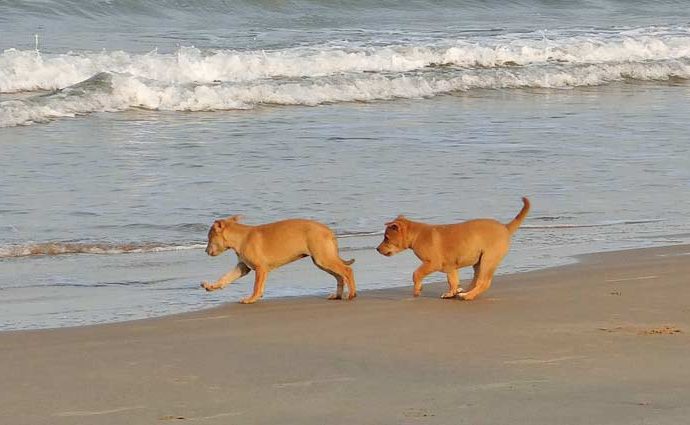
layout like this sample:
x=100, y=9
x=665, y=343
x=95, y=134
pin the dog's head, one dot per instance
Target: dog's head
x=219, y=234
x=394, y=237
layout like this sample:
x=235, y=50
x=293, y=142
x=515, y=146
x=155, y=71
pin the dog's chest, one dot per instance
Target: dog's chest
x=246, y=261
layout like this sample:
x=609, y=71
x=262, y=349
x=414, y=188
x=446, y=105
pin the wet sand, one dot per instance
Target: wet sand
x=603, y=341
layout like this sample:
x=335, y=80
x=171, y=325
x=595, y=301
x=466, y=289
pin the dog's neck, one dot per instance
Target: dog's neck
x=410, y=232
x=234, y=236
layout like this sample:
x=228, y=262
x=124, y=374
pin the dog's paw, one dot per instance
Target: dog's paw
x=416, y=293
x=248, y=300
x=352, y=296
x=448, y=295
x=335, y=297
x=208, y=287
x=466, y=296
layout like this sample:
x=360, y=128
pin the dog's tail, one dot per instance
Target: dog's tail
x=348, y=262
x=517, y=221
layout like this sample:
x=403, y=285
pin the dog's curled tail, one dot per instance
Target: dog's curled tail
x=348, y=262
x=517, y=221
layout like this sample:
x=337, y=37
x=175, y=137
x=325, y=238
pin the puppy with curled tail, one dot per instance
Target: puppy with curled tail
x=480, y=243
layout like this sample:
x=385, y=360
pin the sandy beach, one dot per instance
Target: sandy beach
x=127, y=128
x=603, y=341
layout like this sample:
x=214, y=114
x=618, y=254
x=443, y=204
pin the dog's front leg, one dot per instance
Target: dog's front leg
x=419, y=274
x=339, y=290
x=453, y=283
x=259, y=280
x=240, y=270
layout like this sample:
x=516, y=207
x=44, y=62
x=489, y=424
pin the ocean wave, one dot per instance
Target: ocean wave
x=360, y=234
x=64, y=248
x=107, y=92
x=587, y=225
x=103, y=248
x=29, y=70
x=194, y=80
x=176, y=8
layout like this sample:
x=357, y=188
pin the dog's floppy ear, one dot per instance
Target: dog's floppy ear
x=393, y=225
x=234, y=218
x=218, y=225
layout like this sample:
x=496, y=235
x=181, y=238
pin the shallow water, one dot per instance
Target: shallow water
x=329, y=116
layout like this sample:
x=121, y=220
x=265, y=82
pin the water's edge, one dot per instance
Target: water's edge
x=577, y=260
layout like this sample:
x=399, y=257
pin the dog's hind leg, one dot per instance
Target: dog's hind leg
x=351, y=286
x=453, y=283
x=341, y=283
x=240, y=270
x=483, y=275
x=259, y=281
x=326, y=257
x=339, y=291
x=340, y=274
x=473, y=284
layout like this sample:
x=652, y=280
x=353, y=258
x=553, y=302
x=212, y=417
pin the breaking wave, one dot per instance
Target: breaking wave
x=65, y=248
x=585, y=225
x=191, y=79
x=62, y=248
x=30, y=70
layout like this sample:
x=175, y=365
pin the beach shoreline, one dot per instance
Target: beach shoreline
x=558, y=345
x=435, y=280
x=265, y=162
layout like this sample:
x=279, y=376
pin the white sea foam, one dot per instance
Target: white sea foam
x=31, y=249
x=123, y=91
x=585, y=225
x=30, y=70
x=195, y=80
x=63, y=248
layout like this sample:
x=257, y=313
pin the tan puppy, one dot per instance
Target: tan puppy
x=269, y=246
x=445, y=248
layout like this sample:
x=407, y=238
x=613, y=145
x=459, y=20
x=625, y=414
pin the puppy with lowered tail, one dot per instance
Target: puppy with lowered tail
x=480, y=243
x=266, y=247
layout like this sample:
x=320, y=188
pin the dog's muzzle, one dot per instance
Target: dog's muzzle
x=382, y=252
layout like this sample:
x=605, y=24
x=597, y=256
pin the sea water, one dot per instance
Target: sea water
x=127, y=127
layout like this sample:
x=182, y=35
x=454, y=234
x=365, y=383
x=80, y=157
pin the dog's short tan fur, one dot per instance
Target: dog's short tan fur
x=266, y=247
x=445, y=248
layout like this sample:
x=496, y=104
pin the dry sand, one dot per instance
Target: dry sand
x=604, y=341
